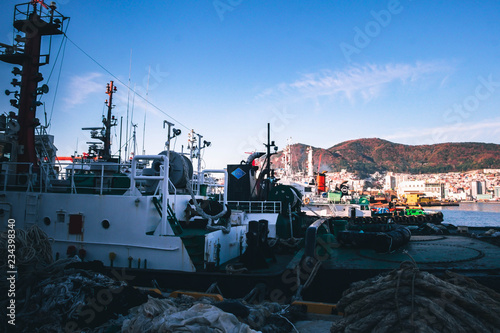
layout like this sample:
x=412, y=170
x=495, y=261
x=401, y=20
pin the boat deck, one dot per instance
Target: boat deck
x=435, y=254
x=429, y=252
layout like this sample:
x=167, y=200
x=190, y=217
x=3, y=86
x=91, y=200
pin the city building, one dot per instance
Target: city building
x=433, y=190
x=496, y=192
x=478, y=188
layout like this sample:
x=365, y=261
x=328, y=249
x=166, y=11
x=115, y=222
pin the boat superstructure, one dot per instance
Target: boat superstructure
x=155, y=213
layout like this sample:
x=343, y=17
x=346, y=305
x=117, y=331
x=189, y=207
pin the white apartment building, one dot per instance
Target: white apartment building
x=435, y=190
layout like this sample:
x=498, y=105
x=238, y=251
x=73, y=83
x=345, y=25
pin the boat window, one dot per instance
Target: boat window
x=61, y=217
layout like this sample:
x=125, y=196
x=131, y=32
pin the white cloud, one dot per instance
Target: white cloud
x=80, y=87
x=366, y=81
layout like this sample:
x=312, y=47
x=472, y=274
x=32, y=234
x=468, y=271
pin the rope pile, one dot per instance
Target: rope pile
x=58, y=298
x=409, y=300
x=32, y=253
x=33, y=248
x=50, y=294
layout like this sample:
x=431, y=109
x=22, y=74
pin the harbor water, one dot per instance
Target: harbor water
x=472, y=214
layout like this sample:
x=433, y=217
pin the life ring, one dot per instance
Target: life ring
x=306, y=201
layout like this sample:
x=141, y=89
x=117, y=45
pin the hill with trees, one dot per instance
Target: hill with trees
x=367, y=156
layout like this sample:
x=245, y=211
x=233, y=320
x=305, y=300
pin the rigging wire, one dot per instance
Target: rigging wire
x=57, y=84
x=123, y=145
x=124, y=84
x=62, y=47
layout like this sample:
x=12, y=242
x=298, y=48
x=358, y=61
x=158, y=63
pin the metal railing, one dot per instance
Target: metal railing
x=79, y=178
x=163, y=182
x=23, y=11
x=256, y=206
x=11, y=179
x=213, y=185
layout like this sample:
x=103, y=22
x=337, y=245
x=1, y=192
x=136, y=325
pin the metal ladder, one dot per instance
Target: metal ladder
x=333, y=209
x=171, y=218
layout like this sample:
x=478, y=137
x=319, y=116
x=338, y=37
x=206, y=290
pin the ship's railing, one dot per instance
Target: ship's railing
x=23, y=11
x=256, y=206
x=163, y=179
x=84, y=178
x=319, y=200
x=79, y=177
x=207, y=185
x=13, y=180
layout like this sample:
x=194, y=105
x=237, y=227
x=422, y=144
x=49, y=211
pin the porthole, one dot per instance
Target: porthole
x=105, y=224
x=46, y=220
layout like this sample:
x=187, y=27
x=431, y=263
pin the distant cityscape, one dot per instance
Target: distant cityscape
x=481, y=185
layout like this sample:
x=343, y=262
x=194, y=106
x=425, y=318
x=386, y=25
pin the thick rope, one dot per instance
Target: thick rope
x=189, y=186
x=307, y=283
x=410, y=300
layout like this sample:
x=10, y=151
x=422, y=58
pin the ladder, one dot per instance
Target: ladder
x=171, y=218
x=333, y=209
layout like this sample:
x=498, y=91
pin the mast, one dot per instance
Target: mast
x=108, y=122
x=268, y=171
x=310, y=171
x=128, y=104
x=104, y=133
x=33, y=19
x=134, y=140
x=145, y=111
x=120, y=150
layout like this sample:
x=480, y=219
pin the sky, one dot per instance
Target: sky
x=320, y=72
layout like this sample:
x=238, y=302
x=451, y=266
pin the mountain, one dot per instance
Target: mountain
x=366, y=156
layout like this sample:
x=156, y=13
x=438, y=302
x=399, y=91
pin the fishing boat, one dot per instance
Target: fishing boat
x=155, y=214
x=158, y=218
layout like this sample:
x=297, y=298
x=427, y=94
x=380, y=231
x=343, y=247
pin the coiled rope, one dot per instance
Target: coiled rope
x=33, y=247
x=225, y=229
x=410, y=300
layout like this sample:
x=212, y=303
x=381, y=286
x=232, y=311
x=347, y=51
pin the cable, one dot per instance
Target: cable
x=63, y=42
x=117, y=79
x=59, y=51
x=58, y=81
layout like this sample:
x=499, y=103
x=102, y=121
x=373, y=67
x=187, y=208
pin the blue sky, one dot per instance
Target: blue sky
x=321, y=72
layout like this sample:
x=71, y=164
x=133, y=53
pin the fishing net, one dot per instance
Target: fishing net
x=164, y=315
x=409, y=300
x=58, y=296
x=186, y=314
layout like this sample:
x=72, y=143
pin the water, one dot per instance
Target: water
x=473, y=214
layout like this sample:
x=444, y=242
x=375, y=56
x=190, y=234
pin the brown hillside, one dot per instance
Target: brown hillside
x=366, y=156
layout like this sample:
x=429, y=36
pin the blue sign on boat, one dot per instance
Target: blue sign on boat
x=238, y=173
